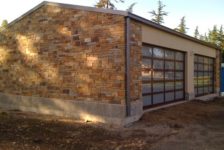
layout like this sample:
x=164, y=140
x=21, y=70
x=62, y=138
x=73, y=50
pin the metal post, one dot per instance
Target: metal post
x=127, y=66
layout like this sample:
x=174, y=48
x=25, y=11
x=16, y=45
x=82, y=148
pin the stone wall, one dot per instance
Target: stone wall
x=217, y=71
x=64, y=53
x=135, y=60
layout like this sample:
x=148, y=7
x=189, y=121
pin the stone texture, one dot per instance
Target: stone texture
x=135, y=60
x=64, y=53
x=217, y=70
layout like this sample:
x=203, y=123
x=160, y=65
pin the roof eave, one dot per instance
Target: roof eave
x=168, y=30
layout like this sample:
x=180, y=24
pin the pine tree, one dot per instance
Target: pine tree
x=130, y=8
x=196, y=32
x=107, y=4
x=213, y=35
x=4, y=24
x=158, y=15
x=182, y=26
x=221, y=37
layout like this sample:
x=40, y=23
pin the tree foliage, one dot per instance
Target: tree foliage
x=216, y=37
x=158, y=15
x=196, y=33
x=182, y=26
x=130, y=8
x=4, y=24
x=108, y=4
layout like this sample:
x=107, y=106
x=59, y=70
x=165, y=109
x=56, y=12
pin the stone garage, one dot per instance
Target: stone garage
x=101, y=65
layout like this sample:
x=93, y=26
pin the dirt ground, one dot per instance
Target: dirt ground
x=193, y=125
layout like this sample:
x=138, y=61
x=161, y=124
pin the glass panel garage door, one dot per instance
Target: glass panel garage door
x=203, y=75
x=162, y=76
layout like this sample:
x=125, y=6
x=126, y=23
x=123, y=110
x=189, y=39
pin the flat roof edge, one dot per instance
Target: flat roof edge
x=168, y=30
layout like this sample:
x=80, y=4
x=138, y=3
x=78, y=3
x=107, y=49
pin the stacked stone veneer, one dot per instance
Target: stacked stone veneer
x=68, y=54
x=135, y=60
x=217, y=70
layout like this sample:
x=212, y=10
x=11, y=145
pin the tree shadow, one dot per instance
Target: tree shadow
x=65, y=54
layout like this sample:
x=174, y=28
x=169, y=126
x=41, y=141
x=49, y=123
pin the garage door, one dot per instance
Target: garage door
x=162, y=76
x=203, y=75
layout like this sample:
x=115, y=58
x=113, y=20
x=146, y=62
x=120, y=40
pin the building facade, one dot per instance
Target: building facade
x=100, y=65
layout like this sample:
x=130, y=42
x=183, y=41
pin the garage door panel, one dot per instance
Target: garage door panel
x=166, y=75
x=158, y=98
x=147, y=100
x=204, y=75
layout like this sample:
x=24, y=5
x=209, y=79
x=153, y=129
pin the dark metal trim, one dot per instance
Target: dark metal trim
x=127, y=66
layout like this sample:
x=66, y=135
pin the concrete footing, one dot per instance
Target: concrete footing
x=207, y=97
x=114, y=114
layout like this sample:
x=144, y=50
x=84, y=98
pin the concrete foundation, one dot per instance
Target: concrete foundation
x=207, y=97
x=114, y=114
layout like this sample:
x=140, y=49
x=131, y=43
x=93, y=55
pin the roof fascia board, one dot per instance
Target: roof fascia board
x=27, y=13
x=86, y=8
x=168, y=30
x=100, y=10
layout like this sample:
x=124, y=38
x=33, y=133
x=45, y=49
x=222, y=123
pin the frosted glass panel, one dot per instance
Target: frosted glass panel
x=158, y=52
x=179, y=76
x=146, y=88
x=158, y=64
x=206, y=60
x=169, y=96
x=211, y=61
x=200, y=67
x=169, y=65
x=179, y=85
x=179, y=56
x=147, y=100
x=169, y=86
x=146, y=63
x=147, y=51
x=146, y=75
x=206, y=67
x=169, y=75
x=169, y=54
x=179, y=66
x=158, y=98
x=200, y=59
x=158, y=75
x=158, y=87
x=195, y=66
x=179, y=95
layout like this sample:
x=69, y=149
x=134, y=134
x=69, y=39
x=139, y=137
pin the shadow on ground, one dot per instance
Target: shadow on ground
x=194, y=125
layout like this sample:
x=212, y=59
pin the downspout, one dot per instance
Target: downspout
x=220, y=74
x=127, y=66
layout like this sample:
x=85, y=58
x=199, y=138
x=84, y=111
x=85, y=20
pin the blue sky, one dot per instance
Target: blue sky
x=204, y=13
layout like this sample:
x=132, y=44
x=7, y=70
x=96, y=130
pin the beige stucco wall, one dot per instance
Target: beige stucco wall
x=157, y=37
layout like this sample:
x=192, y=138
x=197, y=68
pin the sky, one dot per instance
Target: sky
x=202, y=13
